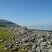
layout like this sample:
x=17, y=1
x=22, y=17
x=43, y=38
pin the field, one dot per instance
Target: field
x=5, y=34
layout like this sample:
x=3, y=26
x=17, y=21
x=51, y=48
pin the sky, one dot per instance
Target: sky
x=27, y=12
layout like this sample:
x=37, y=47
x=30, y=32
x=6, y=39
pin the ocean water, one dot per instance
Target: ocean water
x=41, y=27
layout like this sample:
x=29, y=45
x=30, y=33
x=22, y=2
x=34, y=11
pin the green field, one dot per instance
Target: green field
x=5, y=34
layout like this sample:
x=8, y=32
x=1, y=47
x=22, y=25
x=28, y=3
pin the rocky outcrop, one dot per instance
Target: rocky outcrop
x=26, y=40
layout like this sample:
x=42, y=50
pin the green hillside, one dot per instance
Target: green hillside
x=14, y=38
x=6, y=32
x=5, y=23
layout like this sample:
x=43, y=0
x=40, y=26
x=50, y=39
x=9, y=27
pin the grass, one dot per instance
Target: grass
x=5, y=33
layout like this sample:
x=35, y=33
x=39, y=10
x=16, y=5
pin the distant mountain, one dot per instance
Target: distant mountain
x=5, y=23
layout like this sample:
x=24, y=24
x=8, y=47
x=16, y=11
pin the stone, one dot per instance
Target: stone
x=1, y=40
x=29, y=40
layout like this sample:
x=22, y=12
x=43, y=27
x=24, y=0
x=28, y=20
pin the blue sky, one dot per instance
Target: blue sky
x=27, y=12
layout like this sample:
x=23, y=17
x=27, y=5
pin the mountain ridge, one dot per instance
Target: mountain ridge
x=7, y=23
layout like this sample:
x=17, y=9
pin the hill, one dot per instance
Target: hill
x=22, y=39
x=5, y=23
